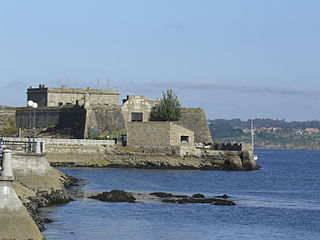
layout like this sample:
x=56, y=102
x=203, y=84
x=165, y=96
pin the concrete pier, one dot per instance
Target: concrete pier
x=15, y=221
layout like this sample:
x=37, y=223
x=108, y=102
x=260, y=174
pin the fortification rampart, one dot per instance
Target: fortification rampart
x=53, y=97
x=7, y=116
x=100, y=119
x=195, y=120
x=44, y=116
x=158, y=134
x=69, y=120
x=231, y=146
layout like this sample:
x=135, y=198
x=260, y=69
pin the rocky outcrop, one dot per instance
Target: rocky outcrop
x=209, y=160
x=223, y=202
x=198, y=195
x=115, y=196
x=196, y=198
x=166, y=195
x=224, y=196
x=33, y=198
x=195, y=120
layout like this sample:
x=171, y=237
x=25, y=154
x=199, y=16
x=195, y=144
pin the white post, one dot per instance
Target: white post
x=6, y=164
x=38, y=148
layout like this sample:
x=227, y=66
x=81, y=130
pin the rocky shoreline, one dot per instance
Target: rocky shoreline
x=219, y=160
x=34, y=199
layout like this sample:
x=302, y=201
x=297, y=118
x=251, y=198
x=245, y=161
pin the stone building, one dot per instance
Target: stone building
x=158, y=134
x=55, y=97
x=136, y=108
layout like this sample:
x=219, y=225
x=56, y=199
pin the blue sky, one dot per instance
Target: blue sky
x=233, y=58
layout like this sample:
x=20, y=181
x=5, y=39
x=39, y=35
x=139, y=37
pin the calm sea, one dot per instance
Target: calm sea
x=279, y=201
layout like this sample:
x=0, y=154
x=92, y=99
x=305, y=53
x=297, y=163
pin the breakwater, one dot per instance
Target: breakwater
x=28, y=182
x=15, y=221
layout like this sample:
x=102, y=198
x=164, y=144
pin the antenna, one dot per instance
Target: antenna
x=108, y=82
x=98, y=83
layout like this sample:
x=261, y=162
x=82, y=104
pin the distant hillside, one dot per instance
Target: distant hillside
x=269, y=133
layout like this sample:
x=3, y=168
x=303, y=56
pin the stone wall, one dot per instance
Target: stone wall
x=153, y=134
x=83, y=142
x=54, y=97
x=176, y=132
x=15, y=222
x=195, y=120
x=231, y=146
x=72, y=120
x=7, y=116
x=103, y=118
x=73, y=146
x=69, y=119
x=28, y=164
x=156, y=134
x=44, y=116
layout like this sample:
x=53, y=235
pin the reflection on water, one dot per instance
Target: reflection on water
x=280, y=201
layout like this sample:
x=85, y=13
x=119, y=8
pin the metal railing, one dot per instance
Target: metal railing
x=19, y=146
x=1, y=159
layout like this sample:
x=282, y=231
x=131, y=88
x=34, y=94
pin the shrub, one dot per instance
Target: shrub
x=168, y=108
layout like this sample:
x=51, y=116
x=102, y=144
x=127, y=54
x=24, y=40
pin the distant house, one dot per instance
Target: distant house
x=312, y=130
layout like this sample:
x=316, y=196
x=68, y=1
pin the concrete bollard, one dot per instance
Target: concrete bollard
x=6, y=164
x=38, y=148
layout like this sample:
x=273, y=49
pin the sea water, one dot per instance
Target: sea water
x=279, y=201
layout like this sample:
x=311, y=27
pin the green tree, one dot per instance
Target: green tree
x=168, y=108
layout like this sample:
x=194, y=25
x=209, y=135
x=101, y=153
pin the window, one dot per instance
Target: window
x=136, y=117
x=60, y=104
x=184, y=138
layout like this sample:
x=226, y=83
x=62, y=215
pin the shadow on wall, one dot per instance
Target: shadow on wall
x=72, y=121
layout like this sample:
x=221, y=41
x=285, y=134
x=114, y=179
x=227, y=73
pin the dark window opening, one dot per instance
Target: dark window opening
x=60, y=104
x=136, y=117
x=184, y=138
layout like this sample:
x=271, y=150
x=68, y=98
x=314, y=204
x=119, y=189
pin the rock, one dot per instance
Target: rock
x=214, y=201
x=169, y=201
x=198, y=195
x=224, y=196
x=224, y=202
x=69, y=181
x=190, y=200
x=167, y=195
x=55, y=197
x=115, y=196
x=161, y=194
x=32, y=208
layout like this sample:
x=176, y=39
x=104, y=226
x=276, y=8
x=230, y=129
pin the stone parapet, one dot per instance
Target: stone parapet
x=85, y=142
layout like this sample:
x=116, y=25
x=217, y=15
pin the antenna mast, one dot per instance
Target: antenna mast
x=252, y=133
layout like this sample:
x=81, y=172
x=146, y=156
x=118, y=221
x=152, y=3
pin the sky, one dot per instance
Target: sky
x=233, y=58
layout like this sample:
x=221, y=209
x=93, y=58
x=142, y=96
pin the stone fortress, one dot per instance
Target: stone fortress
x=88, y=113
